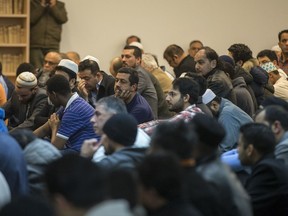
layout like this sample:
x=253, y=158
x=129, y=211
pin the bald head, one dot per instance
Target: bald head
x=51, y=60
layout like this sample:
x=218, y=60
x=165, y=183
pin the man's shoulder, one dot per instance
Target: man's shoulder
x=107, y=79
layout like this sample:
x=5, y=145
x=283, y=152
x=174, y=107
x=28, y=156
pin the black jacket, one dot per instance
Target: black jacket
x=186, y=65
x=268, y=187
x=106, y=88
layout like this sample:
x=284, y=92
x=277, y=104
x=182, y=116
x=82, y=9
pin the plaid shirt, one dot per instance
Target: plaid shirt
x=185, y=115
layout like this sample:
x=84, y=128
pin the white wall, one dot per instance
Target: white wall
x=100, y=27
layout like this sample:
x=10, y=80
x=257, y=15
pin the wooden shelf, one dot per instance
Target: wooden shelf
x=17, y=16
x=13, y=45
x=14, y=49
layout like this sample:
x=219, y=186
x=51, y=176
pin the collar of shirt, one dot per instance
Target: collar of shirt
x=73, y=98
x=98, y=84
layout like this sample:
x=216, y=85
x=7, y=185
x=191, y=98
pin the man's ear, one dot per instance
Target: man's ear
x=239, y=63
x=34, y=90
x=134, y=86
x=99, y=75
x=249, y=150
x=276, y=127
x=214, y=105
x=213, y=63
x=186, y=98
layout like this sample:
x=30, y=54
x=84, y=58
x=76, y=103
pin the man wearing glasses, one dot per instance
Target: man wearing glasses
x=51, y=60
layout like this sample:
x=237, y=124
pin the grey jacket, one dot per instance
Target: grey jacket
x=38, y=154
x=237, y=201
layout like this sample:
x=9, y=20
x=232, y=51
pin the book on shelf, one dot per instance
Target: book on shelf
x=10, y=62
x=12, y=34
x=11, y=6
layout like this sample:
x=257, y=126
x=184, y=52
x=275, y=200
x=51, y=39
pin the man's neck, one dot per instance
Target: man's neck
x=284, y=56
x=186, y=105
x=130, y=98
x=66, y=99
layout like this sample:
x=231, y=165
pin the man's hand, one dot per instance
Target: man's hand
x=82, y=90
x=54, y=122
x=52, y=3
x=124, y=95
x=89, y=147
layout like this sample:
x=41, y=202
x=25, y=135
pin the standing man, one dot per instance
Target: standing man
x=46, y=19
x=283, y=44
x=177, y=59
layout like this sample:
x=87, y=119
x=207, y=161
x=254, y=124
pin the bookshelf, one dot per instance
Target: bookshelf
x=14, y=35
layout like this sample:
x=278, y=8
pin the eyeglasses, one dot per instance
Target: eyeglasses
x=49, y=63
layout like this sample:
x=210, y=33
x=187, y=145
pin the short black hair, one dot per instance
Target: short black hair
x=200, y=79
x=58, y=84
x=272, y=100
x=211, y=54
x=161, y=172
x=277, y=113
x=172, y=50
x=268, y=53
x=210, y=132
x=77, y=179
x=260, y=136
x=133, y=36
x=282, y=32
x=133, y=78
x=23, y=67
x=175, y=137
x=88, y=64
x=186, y=85
x=137, y=51
x=240, y=52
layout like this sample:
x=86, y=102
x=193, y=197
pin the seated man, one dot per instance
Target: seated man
x=126, y=84
x=268, y=182
x=119, y=134
x=230, y=116
x=25, y=103
x=71, y=125
x=51, y=60
x=279, y=82
x=182, y=99
x=94, y=84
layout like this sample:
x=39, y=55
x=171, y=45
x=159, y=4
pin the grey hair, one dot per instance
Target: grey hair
x=148, y=62
x=112, y=104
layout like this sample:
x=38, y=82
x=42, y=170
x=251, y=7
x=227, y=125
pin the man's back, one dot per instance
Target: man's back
x=147, y=90
x=231, y=117
x=75, y=125
x=268, y=187
x=236, y=200
x=126, y=158
x=186, y=65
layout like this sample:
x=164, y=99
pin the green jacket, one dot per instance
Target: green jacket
x=46, y=24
